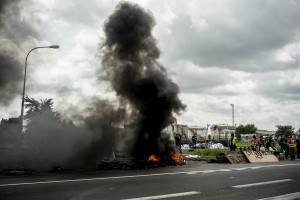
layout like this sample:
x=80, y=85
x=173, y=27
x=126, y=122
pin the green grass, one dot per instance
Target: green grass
x=242, y=144
x=205, y=152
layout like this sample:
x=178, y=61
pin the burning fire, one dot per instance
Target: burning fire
x=177, y=158
x=153, y=158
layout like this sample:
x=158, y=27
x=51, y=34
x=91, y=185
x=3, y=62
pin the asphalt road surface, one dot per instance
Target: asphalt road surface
x=196, y=180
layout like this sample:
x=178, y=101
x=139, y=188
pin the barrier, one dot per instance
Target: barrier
x=236, y=157
x=259, y=157
x=249, y=156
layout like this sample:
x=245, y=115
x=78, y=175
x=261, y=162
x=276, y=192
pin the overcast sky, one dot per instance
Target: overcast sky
x=245, y=53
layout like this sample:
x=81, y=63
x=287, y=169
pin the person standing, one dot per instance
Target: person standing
x=287, y=151
x=178, y=142
x=282, y=144
x=284, y=147
x=232, y=142
x=194, y=140
x=269, y=143
x=253, y=143
x=260, y=143
x=292, y=146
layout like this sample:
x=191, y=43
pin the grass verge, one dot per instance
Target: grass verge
x=204, y=152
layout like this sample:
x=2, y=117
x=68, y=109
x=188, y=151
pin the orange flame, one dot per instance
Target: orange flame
x=177, y=158
x=153, y=158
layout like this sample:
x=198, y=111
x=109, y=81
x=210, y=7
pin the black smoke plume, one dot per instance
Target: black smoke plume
x=130, y=59
x=13, y=30
x=10, y=72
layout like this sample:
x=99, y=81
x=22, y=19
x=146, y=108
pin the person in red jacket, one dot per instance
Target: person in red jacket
x=260, y=143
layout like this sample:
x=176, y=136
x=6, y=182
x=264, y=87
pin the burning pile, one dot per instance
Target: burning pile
x=142, y=85
x=174, y=158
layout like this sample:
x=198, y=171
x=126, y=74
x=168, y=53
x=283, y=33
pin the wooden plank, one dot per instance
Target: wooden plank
x=260, y=157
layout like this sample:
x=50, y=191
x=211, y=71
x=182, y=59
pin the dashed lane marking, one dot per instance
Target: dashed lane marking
x=262, y=183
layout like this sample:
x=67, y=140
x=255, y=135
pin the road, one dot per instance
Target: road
x=196, y=180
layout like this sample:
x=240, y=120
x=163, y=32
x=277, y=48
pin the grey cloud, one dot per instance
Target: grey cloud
x=201, y=82
x=82, y=13
x=65, y=91
x=13, y=25
x=285, y=92
x=237, y=39
x=278, y=85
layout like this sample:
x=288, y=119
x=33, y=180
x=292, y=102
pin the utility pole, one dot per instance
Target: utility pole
x=232, y=105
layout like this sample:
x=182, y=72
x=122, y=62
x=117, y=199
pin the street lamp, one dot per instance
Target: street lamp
x=23, y=94
x=232, y=105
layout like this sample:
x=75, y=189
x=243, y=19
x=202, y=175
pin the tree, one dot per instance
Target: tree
x=239, y=130
x=49, y=137
x=42, y=107
x=40, y=119
x=285, y=130
x=248, y=129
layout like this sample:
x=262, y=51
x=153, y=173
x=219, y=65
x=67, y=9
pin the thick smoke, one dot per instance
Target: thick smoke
x=10, y=72
x=130, y=57
x=12, y=32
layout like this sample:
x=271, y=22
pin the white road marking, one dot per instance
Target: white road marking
x=208, y=171
x=284, y=197
x=243, y=168
x=192, y=173
x=266, y=166
x=225, y=170
x=166, y=196
x=144, y=175
x=262, y=183
x=256, y=167
x=89, y=179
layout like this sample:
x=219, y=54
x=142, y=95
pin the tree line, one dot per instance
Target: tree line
x=282, y=130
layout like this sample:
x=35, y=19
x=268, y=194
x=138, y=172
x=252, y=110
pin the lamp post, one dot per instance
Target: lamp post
x=23, y=94
x=232, y=105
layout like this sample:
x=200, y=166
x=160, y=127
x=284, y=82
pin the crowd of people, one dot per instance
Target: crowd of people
x=288, y=146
